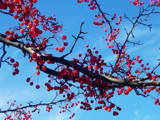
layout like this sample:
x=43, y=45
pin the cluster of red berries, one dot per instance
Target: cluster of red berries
x=30, y=21
x=61, y=49
x=15, y=64
x=66, y=107
x=11, y=35
x=25, y=115
x=92, y=4
x=48, y=108
x=140, y=2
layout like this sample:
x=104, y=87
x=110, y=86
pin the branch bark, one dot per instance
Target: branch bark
x=135, y=83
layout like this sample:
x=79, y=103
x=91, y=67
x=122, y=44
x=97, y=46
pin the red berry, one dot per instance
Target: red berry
x=37, y=67
x=15, y=1
x=20, y=18
x=12, y=33
x=118, y=108
x=87, y=46
x=56, y=48
x=38, y=73
x=34, y=1
x=15, y=35
x=132, y=63
x=28, y=79
x=44, y=68
x=34, y=55
x=96, y=52
x=89, y=67
x=31, y=83
x=65, y=43
x=15, y=16
x=64, y=37
x=22, y=30
x=37, y=86
x=61, y=49
x=75, y=72
x=17, y=64
x=12, y=60
x=30, y=60
x=7, y=32
x=9, y=37
x=149, y=75
x=79, y=55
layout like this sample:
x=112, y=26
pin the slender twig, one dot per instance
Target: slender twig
x=7, y=13
x=76, y=39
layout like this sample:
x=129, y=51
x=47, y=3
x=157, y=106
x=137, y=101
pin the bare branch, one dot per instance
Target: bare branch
x=76, y=38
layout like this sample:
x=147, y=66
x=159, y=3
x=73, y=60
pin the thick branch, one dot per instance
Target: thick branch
x=30, y=50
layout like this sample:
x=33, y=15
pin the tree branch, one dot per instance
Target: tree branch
x=30, y=50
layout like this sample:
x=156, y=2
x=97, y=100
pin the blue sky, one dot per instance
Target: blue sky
x=71, y=14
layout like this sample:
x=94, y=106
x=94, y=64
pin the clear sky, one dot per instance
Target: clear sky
x=71, y=14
